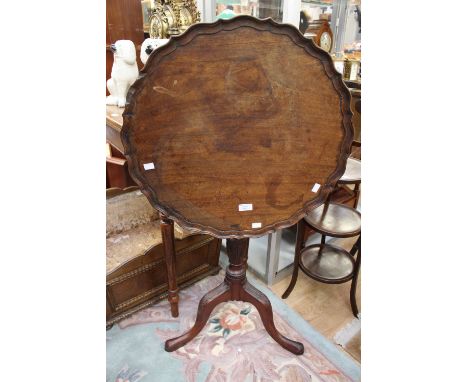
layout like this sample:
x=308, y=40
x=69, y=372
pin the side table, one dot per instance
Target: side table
x=325, y=262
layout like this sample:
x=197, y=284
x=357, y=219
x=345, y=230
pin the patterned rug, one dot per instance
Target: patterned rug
x=233, y=346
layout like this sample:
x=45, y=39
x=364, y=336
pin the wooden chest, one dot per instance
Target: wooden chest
x=136, y=272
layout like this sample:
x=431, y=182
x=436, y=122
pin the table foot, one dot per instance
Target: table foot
x=173, y=297
x=209, y=301
x=235, y=287
x=263, y=305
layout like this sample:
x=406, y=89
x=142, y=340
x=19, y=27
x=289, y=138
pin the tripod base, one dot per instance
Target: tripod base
x=235, y=287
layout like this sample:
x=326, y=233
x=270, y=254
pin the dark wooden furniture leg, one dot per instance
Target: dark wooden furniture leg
x=263, y=305
x=167, y=232
x=300, y=238
x=209, y=301
x=357, y=191
x=235, y=287
x=356, y=246
x=322, y=243
x=357, y=265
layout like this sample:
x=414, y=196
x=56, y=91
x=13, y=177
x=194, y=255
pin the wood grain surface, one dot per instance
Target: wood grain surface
x=241, y=111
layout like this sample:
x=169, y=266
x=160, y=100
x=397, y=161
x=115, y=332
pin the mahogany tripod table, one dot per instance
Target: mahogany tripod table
x=236, y=129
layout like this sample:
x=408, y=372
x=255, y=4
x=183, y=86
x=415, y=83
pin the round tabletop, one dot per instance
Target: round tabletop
x=238, y=127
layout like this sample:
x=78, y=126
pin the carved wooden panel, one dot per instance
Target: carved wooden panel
x=241, y=111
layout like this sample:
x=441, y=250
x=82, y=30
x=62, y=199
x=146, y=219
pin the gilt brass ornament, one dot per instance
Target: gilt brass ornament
x=172, y=17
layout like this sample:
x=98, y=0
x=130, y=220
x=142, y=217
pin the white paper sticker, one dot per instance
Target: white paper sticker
x=316, y=187
x=139, y=193
x=148, y=166
x=256, y=225
x=114, y=115
x=245, y=207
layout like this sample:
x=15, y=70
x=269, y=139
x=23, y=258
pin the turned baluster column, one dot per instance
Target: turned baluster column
x=237, y=250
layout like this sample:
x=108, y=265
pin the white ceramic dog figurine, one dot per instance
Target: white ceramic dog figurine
x=124, y=72
x=149, y=45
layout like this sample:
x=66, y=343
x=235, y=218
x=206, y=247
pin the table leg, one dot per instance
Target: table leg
x=300, y=240
x=167, y=232
x=357, y=266
x=235, y=287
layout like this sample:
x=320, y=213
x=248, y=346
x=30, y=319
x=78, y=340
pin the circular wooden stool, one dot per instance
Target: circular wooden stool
x=324, y=262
